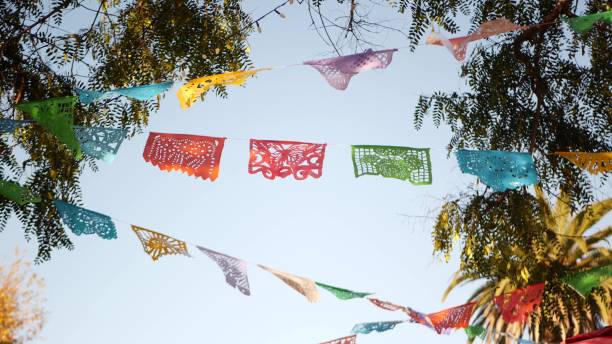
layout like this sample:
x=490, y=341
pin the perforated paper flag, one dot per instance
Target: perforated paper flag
x=198, y=156
x=380, y=326
x=584, y=281
x=497, y=169
x=100, y=143
x=385, y=305
x=193, y=89
x=342, y=294
x=10, y=125
x=85, y=221
x=474, y=331
x=405, y=163
x=284, y=158
x=458, y=45
x=17, y=193
x=594, y=163
x=302, y=285
x=338, y=71
x=456, y=317
x=56, y=116
x=344, y=340
x=157, y=245
x=144, y=92
x=584, y=24
x=518, y=305
x=234, y=269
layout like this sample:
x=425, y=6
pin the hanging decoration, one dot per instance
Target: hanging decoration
x=17, y=193
x=584, y=281
x=344, y=340
x=338, y=71
x=386, y=305
x=10, y=125
x=420, y=318
x=342, y=294
x=593, y=163
x=585, y=23
x=497, y=169
x=56, y=116
x=601, y=336
x=381, y=326
x=456, y=317
x=189, y=92
x=197, y=156
x=284, y=158
x=458, y=45
x=85, y=221
x=157, y=245
x=404, y=163
x=474, y=331
x=518, y=305
x=144, y=92
x=100, y=143
x=302, y=285
x=234, y=269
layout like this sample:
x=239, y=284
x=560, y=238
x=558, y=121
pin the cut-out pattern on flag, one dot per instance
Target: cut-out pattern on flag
x=404, y=163
x=584, y=24
x=386, y=305
x=198, y=156
x=10, y=125
x=144, y=92
x=474, y=331
x=344, y=340
x=456, y=317
x=284, y=158
x=56, y=116
x=338, y=71
x=458, y=45
x=342, y=294
x=419, y=318
x=193, y=89
x=85, y=221
x=593, y=163
x=234, y=269
x=497, y=169
x=100, y=143
x=584, y=281
x=519, y=304
x=157, y=245
x=17, y=193
x=302, y=285
x=380, y=326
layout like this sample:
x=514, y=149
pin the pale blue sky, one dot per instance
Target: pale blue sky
x=338, y=229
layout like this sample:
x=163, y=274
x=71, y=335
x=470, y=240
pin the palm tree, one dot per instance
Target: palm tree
x=569, y=250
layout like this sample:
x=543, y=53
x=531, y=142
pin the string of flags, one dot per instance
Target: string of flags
x=515, y=306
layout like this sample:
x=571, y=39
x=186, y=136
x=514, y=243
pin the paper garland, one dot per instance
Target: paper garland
x=584, y=281
x=84, y=221
x=234, y=269
x=56, y=116
x=17, y=193
x=593, y=163
x=157, y=245
x=344, y=340
x=458, y=45
x=584, y=24
x=193, y=89
x=404, y=163
x=100, y=143
x=380, y=326
x=498, y=169
x=456, y=317
x=519, y=304
x=338, y=71
x=342, y=294
x=144, y=92
x=284, y=158
x=197, y=156
x=302, y=285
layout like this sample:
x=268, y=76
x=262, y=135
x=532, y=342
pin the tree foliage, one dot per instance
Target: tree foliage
x=22, y=314
x=123, y=43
